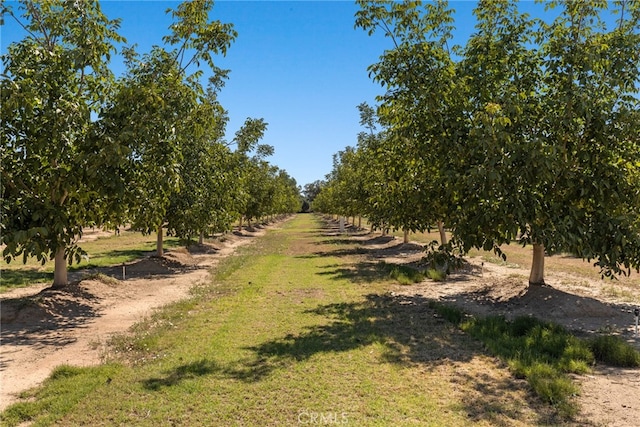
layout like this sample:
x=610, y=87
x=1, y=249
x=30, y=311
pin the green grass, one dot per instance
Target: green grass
x=60, y=393
x=281, y=335
x=102, y=252
x=614, y=351
x=404, y=275
x=543, y=353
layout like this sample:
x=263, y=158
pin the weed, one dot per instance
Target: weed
x=436, y=275
x=405, y=275
x=619, y=293
x=614, y=351
x=543, y=353
x=499, y=261
x=448, y=312
x=107, y=280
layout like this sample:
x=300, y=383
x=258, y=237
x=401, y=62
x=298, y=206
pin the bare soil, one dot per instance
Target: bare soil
x=43, y=328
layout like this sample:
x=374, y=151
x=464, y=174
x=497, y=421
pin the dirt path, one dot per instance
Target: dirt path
x=44, y=328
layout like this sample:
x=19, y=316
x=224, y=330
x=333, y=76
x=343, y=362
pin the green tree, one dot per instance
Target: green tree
x=287, y=199
x=150, y=114
x=498, y=168
x=155, y=107
x=421, y=111
x=311, y=190
x=54, y=80
x=247, y=140
x=530, y=136
x=206, y=198
x=553, y=152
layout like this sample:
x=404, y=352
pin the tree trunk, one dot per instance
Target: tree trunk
x=359, y=222
x=240, y=225
x=537, y=266
x=406, y=237
x=201, y=237
x=443, y=234
x=60, y=279
x=159, y=248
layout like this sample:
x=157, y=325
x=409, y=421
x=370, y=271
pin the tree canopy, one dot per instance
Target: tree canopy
x=527, y=134
x=81, y=147
x=54, y=80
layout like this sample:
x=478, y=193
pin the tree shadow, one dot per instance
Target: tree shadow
x=181, y=373
x=370, y=247
x=359, y=272
x=150, y=266
x=41, y=320
x=410, y=331
x=406, y=326
x=582, y=315
x=336, y=241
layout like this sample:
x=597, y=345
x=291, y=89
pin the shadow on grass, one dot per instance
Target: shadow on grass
x=10, y=279
x=360, y=272
x=187, y=371
x=410, y=331
x=406, y=326
x=370, y=248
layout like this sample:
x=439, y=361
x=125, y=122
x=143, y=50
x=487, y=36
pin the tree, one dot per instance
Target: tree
x=499, y=165
x=150, y=114
x=287, y=199
x=553, y=153
x=530, y=136
x=247, y=140
x=311, y=190
x=206, y=198
x=156, y=103
x=54, y=80
x=421, y=111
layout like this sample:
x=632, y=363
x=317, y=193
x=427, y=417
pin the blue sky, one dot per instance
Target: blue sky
x=300, y=65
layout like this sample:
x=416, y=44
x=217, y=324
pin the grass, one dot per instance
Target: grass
x=543, y=353
x=282, y=335
x=498, y=261
x=404, y=275
x=614, y=351
x=44, y=405
x=103, y=252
